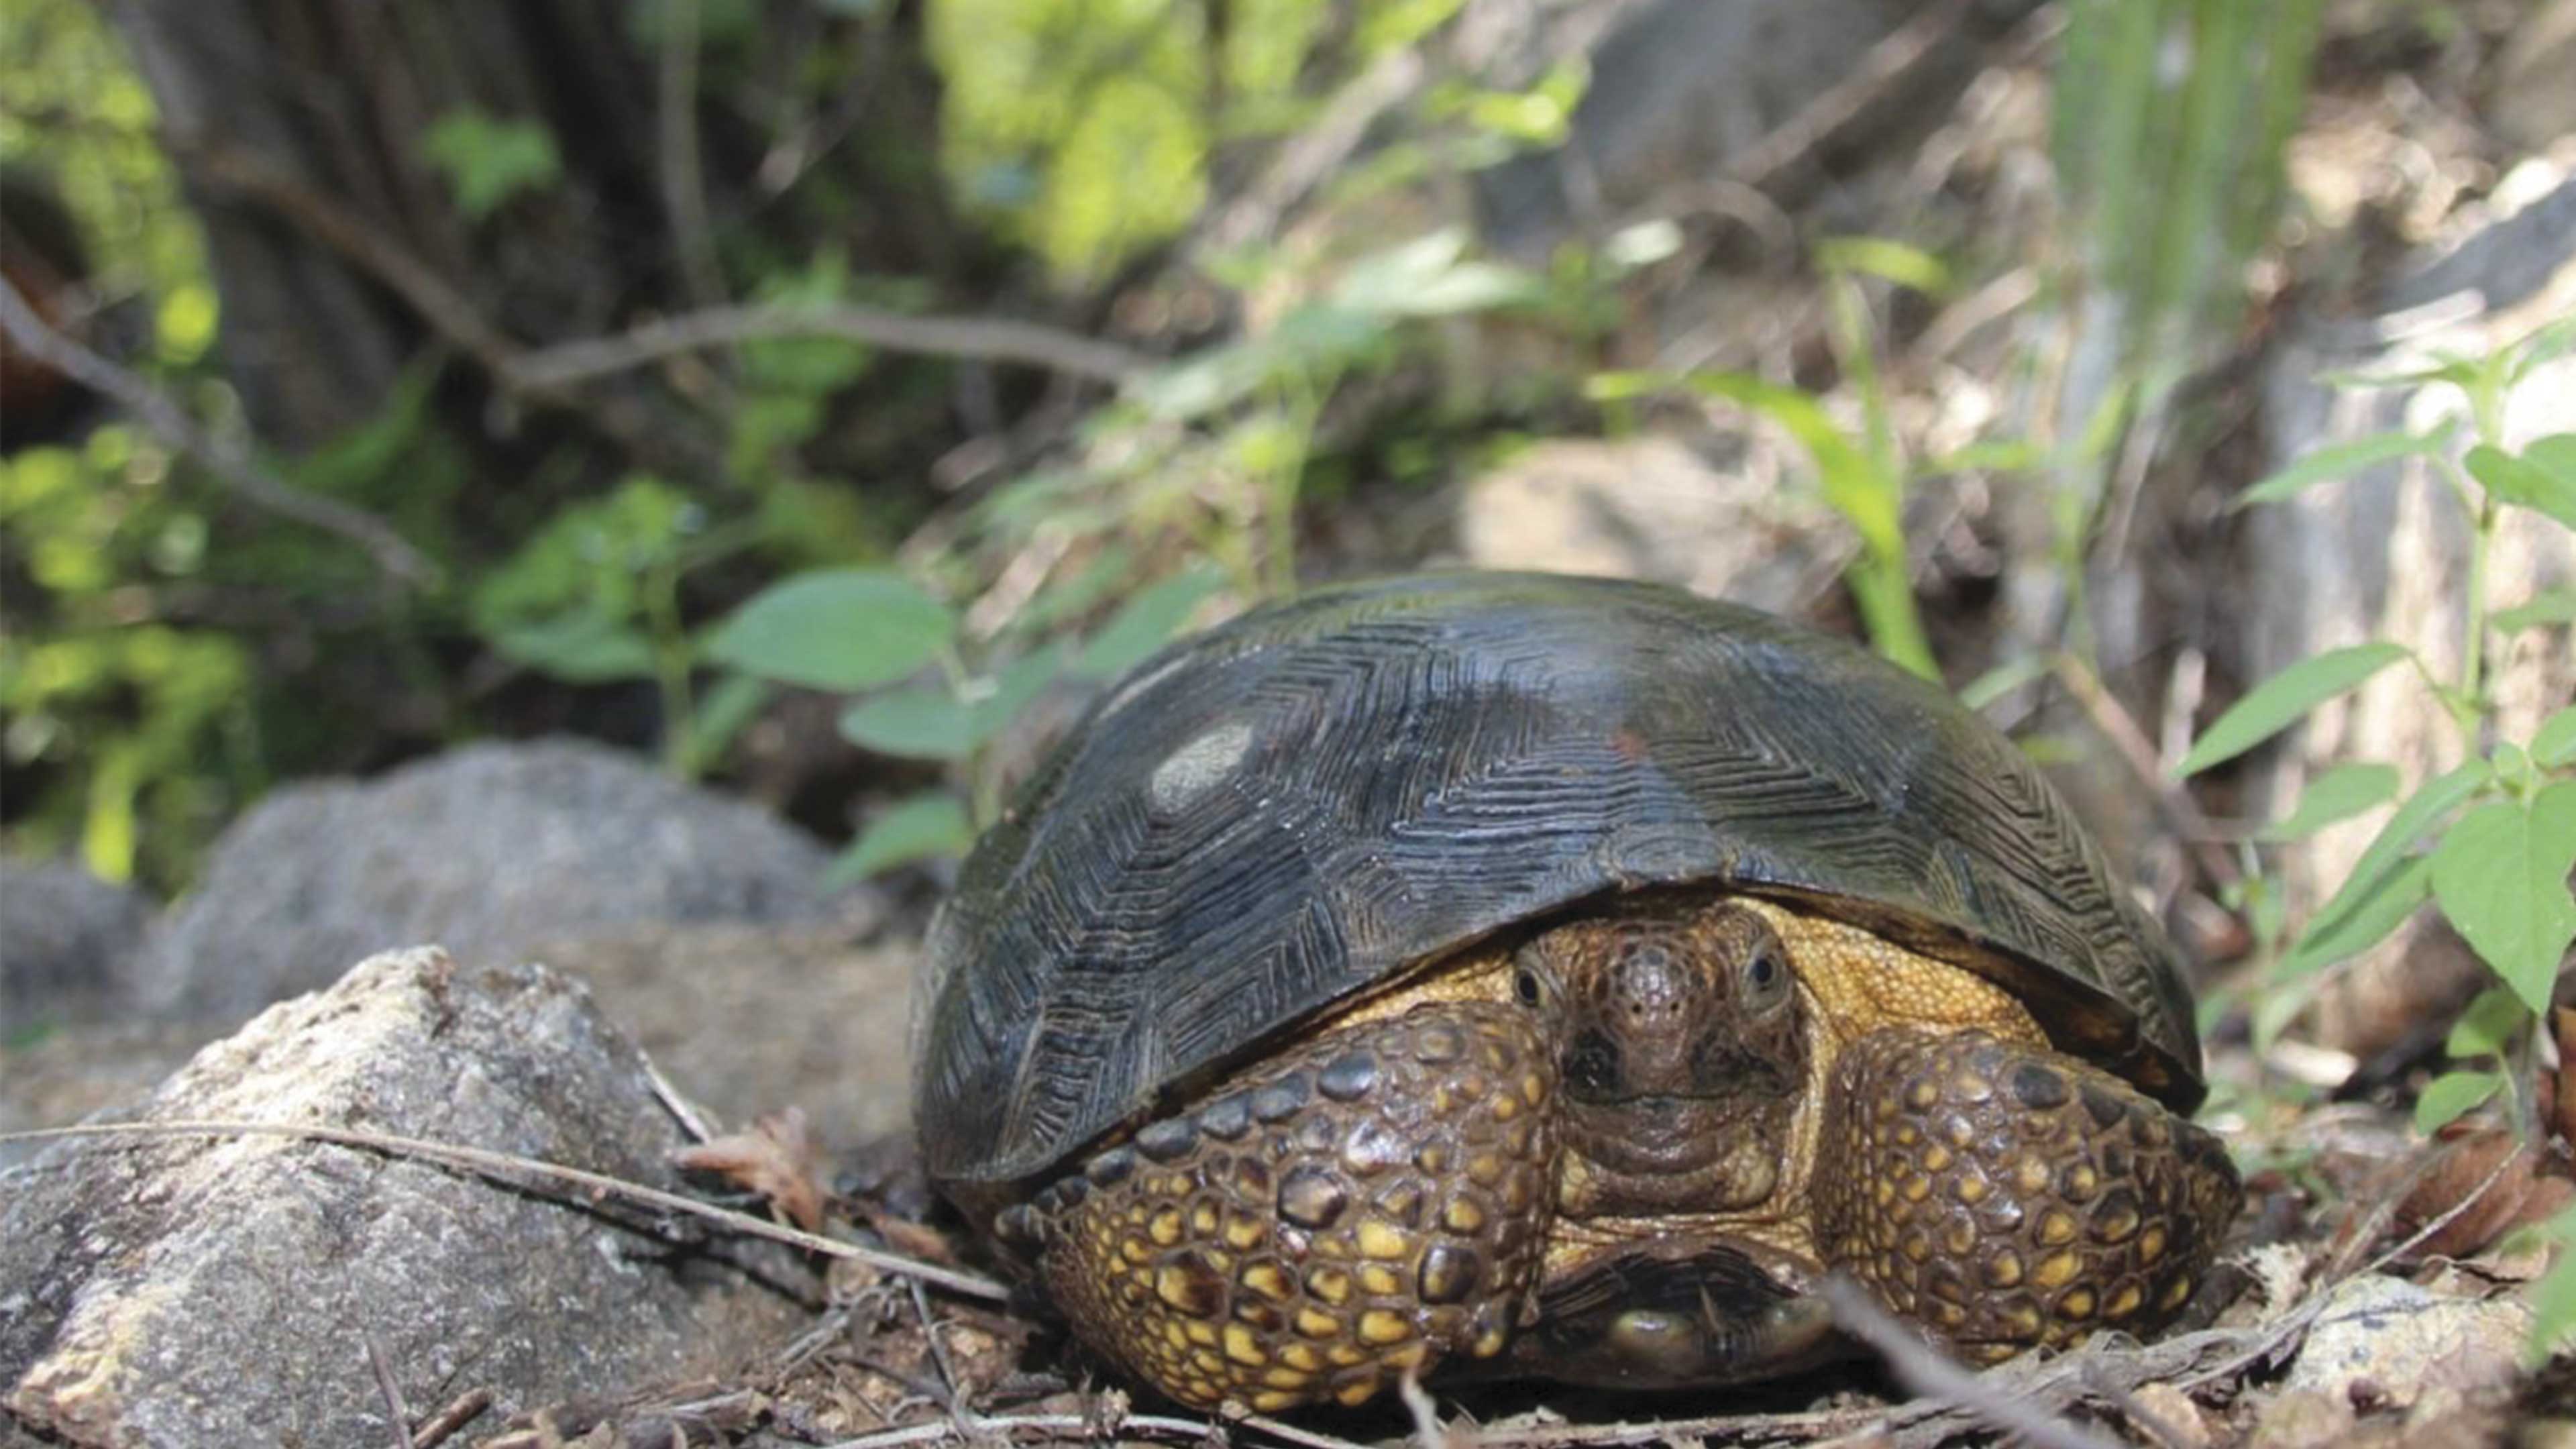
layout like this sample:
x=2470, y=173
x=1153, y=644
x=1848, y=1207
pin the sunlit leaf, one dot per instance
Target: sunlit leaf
x=2549, y=606
x=2338, y=794
x=2368, y=920
x=2553, y=1298
x=835, y=629
x=2555, y=742
x=929, y=826
x=2425, y=808
x=2280, y=701
x=2494, y=1021
x=1888, y=260
x=2341, y=460
x=1145, y=623
x=2449, y=1096
x=2524, y=481
x=2500, y=874
x=487, y=161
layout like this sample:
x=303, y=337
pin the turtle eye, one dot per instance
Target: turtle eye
x=1525, y=986
x=1766, y=975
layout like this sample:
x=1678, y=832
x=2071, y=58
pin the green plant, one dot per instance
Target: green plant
x=874, y=634
x=2490, y=842
x=1862, y=469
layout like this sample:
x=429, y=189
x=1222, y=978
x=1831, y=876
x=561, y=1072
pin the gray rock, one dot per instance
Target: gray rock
x=67, y=939
x=2406, y=1340
x=1648, y=508
x=745, y=1020
x=1685, y=94
x=484, y=850
x=225, y=1290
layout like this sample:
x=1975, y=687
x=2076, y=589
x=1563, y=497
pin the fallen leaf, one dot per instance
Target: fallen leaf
x=2457, y=1184
x=775, y=1159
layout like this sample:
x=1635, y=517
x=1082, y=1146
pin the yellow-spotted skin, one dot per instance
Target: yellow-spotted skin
x=2008, y=1198
x=1369, y=1207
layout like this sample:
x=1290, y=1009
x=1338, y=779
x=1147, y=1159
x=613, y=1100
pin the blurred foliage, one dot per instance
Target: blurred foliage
x=2489, y=843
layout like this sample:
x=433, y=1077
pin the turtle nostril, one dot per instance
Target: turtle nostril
x=1592, y=1066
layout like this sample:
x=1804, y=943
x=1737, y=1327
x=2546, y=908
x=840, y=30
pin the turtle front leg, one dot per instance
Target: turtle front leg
x=1369, y=1203
x=2006, y=1198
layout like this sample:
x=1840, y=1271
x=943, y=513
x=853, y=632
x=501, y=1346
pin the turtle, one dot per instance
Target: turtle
x=1493, y=974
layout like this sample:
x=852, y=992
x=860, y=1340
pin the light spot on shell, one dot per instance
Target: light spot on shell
x=1197, y=766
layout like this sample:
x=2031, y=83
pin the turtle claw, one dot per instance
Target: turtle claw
x=2005, y=1198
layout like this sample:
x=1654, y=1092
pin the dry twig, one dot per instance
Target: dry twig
x=1926, y=1370
x=397, y=1413
x=980, y=339
x=476, y=1159
x=170, y=423
x=440, y=1427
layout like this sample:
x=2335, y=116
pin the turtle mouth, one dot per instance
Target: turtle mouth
x=1669, y=1151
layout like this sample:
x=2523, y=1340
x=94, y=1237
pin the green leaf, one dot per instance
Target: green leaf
x=929, y=826
x=720, y=715
x=2003, y=679
x=2338, y=794
x=2553, y=1298
x=1853, y=486
x=580, y=648
x=487, y=162
x=2500, y=874
x=2447, y=1097
x=2430, y=802
x=2554, y=455
x=2555, y=744
x=2549, y=606
x=835, y=629
x=1887, y=260
x=2365, y=922
x=2278, y=702
x=925, y=722
x=2491, y=1024
x=2340, y=460
x=2525, y=482
x=931, y=723
x=1145, y=623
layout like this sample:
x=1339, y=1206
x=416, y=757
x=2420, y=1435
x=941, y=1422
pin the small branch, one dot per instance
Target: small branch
x=166, y=420
x=440, y=1427
x=2135, y=750
x=1927, y=1371
x=476, y=1159
x=397, y=1414
x=1881, y=66
x=972, y=338
x=684, y=192
x=446, y=310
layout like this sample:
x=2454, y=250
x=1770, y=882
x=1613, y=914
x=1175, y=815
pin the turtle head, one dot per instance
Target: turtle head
x=1682, y=1053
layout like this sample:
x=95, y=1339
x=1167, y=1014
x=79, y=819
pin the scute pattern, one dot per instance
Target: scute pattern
x=1367, y=1208
x=2005, y=1202
x=1432, y=759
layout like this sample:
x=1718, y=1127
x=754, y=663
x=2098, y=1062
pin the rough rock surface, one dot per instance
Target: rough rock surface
x=744, y=1020
x=1647, y=508
x=67, y=939
x=2385, y=555
x=2406, y=1341
x=484, y=851
x=226, y=1290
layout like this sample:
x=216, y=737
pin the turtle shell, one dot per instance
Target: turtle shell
x=1294, y=807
